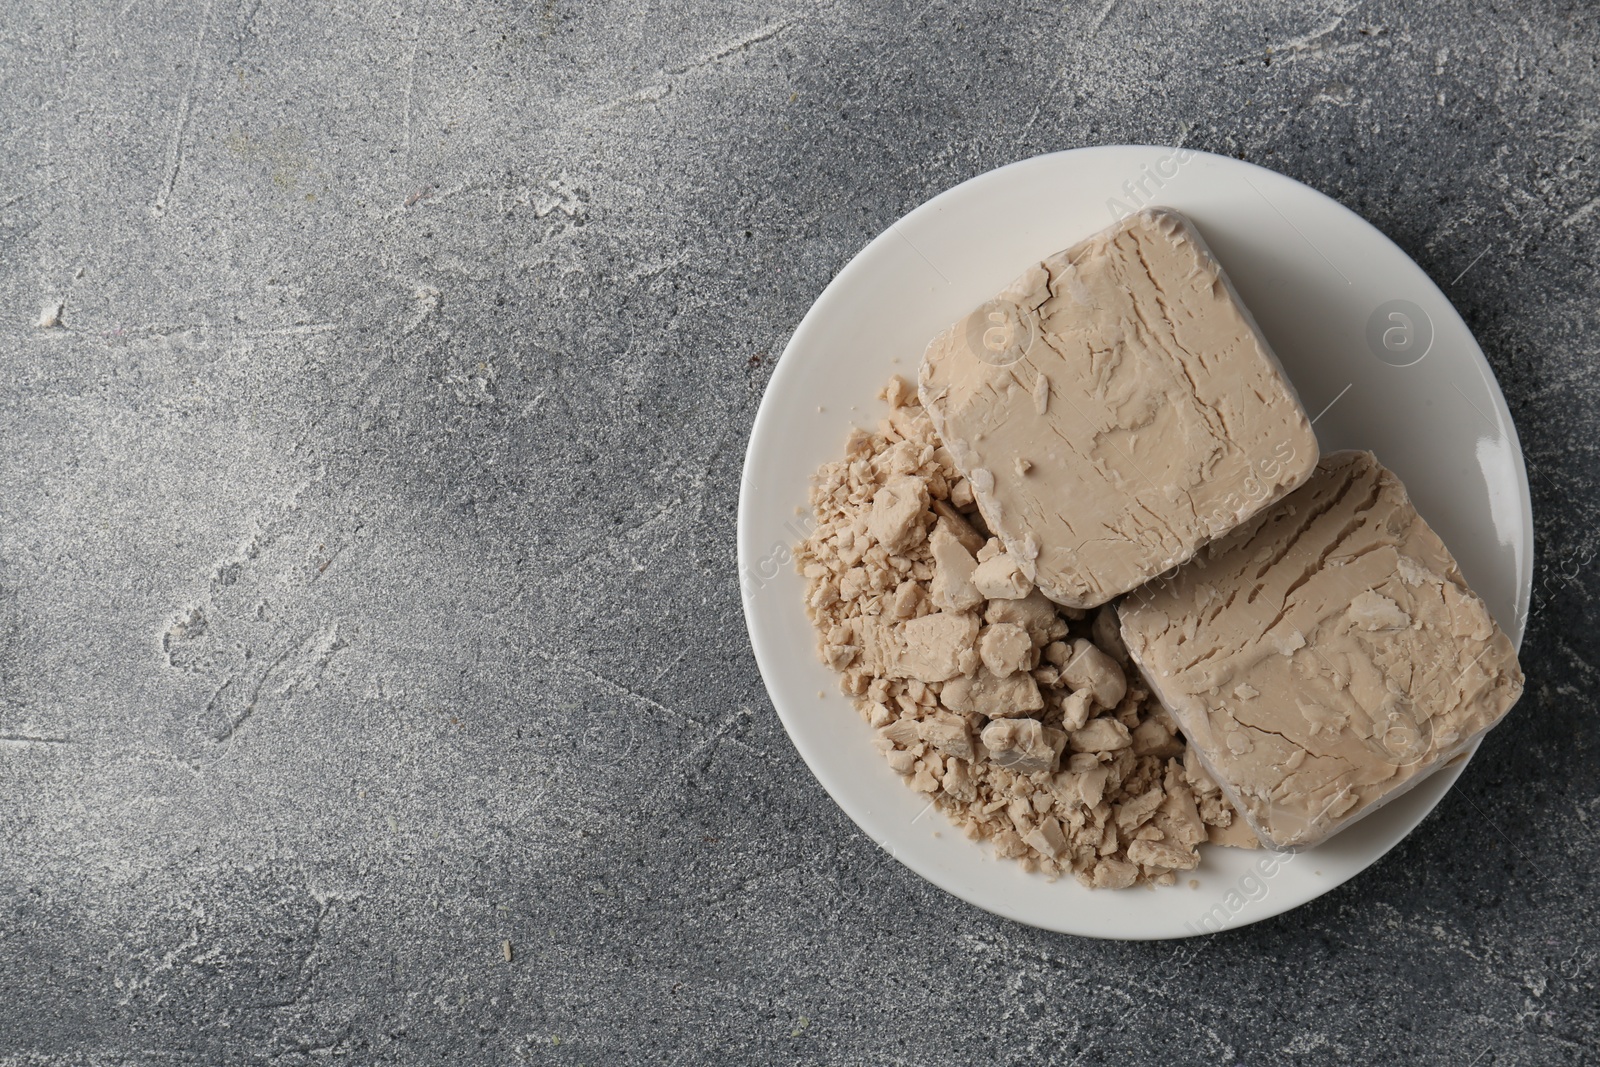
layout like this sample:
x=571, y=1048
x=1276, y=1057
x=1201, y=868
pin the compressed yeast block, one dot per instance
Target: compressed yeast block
x=1116, y=408
x=1326, y=656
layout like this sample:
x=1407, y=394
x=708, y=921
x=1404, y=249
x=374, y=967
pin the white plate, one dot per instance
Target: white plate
x=1324, y=286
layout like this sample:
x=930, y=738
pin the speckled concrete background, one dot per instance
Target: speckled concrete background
x=367, y=593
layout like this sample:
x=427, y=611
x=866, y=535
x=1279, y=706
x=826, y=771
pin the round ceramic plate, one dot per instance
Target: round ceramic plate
x=1381, y=361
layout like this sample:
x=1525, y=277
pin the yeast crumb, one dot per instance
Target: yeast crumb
x=1023, y=721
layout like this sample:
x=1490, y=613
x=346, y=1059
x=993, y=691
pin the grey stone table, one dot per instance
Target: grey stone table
x=375, y=382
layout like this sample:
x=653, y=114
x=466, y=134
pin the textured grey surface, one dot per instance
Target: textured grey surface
x=367, y=591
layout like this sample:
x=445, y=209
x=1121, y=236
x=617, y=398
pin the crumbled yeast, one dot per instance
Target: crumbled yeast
x=1021, y=719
